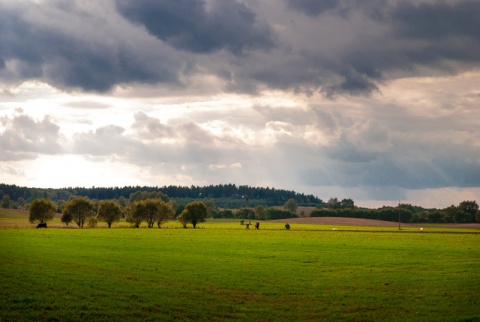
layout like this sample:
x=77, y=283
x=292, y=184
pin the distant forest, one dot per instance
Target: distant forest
x=225, y=195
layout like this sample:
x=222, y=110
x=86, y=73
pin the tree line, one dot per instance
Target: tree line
x=81, y=210
x=152, y=208
x=223, y=193
x=465, y=212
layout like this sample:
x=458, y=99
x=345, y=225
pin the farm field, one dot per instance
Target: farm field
x=221, y=271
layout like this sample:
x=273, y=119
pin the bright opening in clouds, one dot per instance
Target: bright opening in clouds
x=377, y=101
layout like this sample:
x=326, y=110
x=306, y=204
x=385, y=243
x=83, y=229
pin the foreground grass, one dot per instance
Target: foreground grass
x=238, y=274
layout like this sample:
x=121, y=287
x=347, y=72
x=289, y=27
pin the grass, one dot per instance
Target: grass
x=225, y=272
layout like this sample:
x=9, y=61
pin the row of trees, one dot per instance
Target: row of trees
x=81, y=210
x=465, y=212
x=268, y=196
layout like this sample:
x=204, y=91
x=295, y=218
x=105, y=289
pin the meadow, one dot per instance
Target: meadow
x=221, y=271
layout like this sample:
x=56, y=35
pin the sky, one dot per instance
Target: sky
x=374, y=100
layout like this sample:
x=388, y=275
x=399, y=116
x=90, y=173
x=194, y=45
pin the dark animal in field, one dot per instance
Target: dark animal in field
x=42, y=225
x=257, y=225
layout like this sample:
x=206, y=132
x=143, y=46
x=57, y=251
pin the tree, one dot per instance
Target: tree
x=21, y=202
x=261, y=212
x=109, y=211
x=462, y=217
x=450, y=214
x=41, y=210
x=347, y=203
x=194, y=213
x=150, y=209
x=134, y=214
x=211, y=208
x=5, y=202
x=470, y=209
x=165, y=212
x=80, y=208
x=333, y=203
x=291, y=205
x=66, y=218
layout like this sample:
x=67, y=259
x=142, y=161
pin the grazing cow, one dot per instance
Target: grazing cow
x=42, y=225
x=257, y=225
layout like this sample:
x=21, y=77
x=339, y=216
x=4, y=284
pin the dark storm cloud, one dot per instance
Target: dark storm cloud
x=407, y=38
x=191, y=26
x=314, y=7
x=69, y=57
x=333, y=47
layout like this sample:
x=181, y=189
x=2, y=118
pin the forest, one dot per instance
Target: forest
x=225, y=195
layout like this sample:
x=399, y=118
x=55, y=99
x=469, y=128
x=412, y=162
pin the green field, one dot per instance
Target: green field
x=222, y=271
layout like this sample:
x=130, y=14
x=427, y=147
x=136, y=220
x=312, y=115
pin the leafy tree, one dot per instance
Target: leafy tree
x=436, y=216
x=109, y=211
x=21, y=202
x=245, y=213
x=347, y=203
x=211, y=208
x=261, y=212
x=450, y=214
x=291, y=205
x=194, y=213
x=470, y=208
x=92, y=222
x=184, y=220
x=461, y=216
x=280, y=214
x=134, y=214
x=420, y=217
x=66, y=218
x=5, y=202
x=322, y=212
x=41, y=210
x=150, y=209
x=165, y=212
x=333, y=203
x=80, y=208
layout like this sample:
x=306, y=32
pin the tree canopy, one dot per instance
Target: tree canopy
x=194, y=213
x=80, y=208
x=41, y=210
x=109, y=211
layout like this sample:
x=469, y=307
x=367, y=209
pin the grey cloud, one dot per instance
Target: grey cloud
x=151, y=128
x=314, y=7
x=345, y=47
x=26, y=138
x=105, y=141
x=197, y=27
x=94, y=57
x=393, y=38
x=12, y=171
x=437, y=20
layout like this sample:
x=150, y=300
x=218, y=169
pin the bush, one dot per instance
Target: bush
x=92, y=222
x=273, y=214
